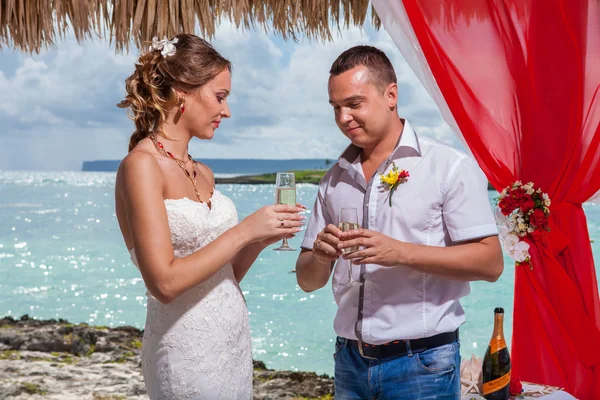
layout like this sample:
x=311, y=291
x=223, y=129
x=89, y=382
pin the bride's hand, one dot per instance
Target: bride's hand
x=269, y=241
x=273, y=223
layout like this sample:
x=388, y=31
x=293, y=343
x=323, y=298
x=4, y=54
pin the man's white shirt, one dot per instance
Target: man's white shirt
x=444, y=202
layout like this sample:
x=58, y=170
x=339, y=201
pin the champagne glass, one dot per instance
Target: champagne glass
x=349, y=221
x=285, y=193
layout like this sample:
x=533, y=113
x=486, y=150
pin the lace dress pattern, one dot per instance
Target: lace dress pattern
x=198, y=346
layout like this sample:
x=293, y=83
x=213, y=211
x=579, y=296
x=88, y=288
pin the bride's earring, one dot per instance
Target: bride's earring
x=182, y=104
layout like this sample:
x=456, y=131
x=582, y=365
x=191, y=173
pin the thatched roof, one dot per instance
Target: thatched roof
x=30, y=25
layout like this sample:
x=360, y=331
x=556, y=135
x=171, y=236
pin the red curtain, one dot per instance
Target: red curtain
x=522, y=80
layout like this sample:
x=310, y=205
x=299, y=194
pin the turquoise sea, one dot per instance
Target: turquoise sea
x=62, y=256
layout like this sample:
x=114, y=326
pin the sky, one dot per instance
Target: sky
x=58, y=108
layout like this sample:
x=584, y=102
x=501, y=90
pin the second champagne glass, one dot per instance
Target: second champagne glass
x=285, y=193
x=348, y=222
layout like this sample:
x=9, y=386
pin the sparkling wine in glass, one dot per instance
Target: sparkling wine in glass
x=348, y=222
x=285, y=193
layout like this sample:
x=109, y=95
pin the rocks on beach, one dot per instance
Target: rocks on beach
x=54, y=359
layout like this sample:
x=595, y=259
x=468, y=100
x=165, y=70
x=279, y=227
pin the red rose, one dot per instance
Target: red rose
x=538, y=218
x=506, y=205
x=515, y=388
x=527, y=205
x=519, y=195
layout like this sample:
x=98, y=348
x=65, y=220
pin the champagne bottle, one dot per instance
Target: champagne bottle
x=496, y=363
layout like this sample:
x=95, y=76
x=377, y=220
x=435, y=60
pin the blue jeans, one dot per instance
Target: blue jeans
x=431, y=374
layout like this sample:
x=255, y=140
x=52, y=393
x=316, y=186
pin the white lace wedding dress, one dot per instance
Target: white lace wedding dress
x=198, y=346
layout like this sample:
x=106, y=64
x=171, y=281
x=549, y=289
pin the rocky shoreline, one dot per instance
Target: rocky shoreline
x=54, y=359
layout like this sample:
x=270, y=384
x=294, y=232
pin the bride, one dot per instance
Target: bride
x=182, y=233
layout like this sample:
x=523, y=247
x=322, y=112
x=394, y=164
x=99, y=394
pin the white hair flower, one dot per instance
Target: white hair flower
x=167, y=47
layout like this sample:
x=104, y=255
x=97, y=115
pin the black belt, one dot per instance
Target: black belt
x=399, y=348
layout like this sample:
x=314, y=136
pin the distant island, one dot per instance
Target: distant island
x=306, y=176
x=234, y=166
x=247, y=171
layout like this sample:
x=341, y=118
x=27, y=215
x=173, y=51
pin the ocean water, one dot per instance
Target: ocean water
x=62, y=256
x=235, y=166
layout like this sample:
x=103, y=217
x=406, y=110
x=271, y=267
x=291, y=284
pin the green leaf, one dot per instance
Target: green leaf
x=392, y=190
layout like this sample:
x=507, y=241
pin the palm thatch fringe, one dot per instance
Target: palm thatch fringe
x=30, y=25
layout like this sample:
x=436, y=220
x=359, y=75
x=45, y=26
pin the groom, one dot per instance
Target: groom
x=425, y=234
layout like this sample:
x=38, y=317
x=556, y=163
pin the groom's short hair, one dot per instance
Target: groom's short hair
x=379, y=65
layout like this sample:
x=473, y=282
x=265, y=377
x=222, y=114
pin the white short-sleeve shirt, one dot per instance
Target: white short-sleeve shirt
x=444, y=201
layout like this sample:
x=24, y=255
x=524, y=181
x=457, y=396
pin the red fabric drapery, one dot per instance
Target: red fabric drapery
x=522, y=80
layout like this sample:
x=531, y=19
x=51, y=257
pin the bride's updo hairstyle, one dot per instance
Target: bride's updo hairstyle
x=187, y=63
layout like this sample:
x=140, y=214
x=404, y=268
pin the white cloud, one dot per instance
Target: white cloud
x=59, y=107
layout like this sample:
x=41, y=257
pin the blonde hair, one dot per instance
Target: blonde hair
x=151, y=88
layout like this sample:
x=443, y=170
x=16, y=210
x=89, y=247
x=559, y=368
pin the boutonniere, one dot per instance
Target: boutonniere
x=393, y=179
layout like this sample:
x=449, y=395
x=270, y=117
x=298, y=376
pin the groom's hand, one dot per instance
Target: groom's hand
x=376, y=248
x=325, y=248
